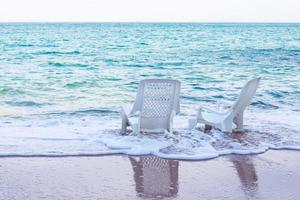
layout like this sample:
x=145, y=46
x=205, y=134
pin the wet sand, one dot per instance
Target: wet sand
x=273, y=175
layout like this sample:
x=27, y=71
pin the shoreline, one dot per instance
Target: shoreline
x=292, y=149
x=272, y=175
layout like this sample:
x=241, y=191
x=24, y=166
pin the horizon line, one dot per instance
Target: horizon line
x=188, y=22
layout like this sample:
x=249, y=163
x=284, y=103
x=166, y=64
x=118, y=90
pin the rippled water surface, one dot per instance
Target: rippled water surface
x=61, y=85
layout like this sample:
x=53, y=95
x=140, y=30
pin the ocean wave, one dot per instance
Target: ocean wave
x=26, y=103
x=77, y=84
x=276, y=94
x=112, y=79
x=264, y=105
x=198, y=88
x=92, y=111
x=136, y=65
x=59, y=64
x=56, y=64
x=271, y=50
x=11, y=91
x=25, y=45
x=176, y=64
x=226, y=57
x=198, y=99
x=58, y=53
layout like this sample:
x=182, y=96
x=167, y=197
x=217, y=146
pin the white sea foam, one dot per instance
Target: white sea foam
x=95, y=136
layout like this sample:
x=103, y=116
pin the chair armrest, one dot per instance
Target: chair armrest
x=126, y=113
x=173, y=114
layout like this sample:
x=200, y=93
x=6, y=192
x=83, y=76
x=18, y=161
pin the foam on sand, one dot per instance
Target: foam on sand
x=77, y=136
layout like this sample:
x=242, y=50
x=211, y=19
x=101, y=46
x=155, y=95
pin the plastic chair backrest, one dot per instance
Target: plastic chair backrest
x=246, y=95
x=155, y=100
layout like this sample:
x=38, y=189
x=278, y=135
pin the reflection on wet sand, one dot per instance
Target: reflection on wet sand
x=247, y=175
x=155, y=177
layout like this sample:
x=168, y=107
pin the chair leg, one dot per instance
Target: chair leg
x=170, y=130
x=135, y=128
x=238, y=120
x=170, y=126
x=124, y=125
x=192, y=123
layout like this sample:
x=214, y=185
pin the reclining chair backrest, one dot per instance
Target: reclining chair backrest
x=245, y=96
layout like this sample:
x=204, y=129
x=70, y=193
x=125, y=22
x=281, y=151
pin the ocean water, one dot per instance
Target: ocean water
x=61, y=86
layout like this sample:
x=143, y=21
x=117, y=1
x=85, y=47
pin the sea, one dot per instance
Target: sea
x=62, y=86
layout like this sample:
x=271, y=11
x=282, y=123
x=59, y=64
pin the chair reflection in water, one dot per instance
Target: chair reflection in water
x=247, y=175
x=155, y=177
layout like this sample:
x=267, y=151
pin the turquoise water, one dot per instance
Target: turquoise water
x=61, y=85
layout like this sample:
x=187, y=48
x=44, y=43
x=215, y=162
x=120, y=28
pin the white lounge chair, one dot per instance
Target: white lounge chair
x=156, y=103
x=233, y=117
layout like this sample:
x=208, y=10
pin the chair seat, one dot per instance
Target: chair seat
x=213, y=117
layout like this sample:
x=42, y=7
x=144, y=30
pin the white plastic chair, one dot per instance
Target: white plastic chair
x=233, y=117
x=156, y=104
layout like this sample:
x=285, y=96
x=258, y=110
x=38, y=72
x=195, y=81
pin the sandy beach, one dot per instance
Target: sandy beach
x=273, y=175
